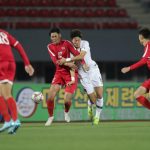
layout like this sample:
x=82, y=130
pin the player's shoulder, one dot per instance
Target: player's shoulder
x=50, y=45
x=85, y=42
x=2, y=30
x=66, y=42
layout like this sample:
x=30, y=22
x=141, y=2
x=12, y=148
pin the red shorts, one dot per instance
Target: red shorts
x=146, y=84
x=7, y=71
x=62, y=78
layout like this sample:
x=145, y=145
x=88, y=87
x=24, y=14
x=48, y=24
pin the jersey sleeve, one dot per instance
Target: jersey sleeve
x=71, y=48
x=85, y=46
x=52, y=54
x=138, y=64
x=143, y=60
x=14, y=43
x=74, y=51
x=12, y=40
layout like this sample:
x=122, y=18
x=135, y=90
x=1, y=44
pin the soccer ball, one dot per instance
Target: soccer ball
x=37, y=97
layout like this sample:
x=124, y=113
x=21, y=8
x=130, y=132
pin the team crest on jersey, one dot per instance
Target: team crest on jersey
x=63, y=48
x=59, y=55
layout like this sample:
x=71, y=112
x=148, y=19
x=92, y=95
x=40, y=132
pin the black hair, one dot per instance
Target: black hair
x=75, y=33
x=145, y=32
x=54, y=30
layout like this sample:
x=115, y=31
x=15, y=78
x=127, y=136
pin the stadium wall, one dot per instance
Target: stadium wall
x=106, y=45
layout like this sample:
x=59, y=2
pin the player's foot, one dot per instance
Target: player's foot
x=49, y=121
x=95, y=121
x=67, y=117
x=90, y=112
x=6, y=126
x=15, y=127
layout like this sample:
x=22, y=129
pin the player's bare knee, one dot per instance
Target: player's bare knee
x=68, y=97
x=99, y=96
x=136, y=94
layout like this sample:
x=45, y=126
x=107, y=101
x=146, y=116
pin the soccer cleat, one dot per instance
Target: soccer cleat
x=90, y=112
x=6, y=126
x=67, y=117
x=95, y=121
x=49, y=121
x=15, y=127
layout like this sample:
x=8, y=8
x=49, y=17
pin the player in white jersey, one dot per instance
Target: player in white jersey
x=91, y=79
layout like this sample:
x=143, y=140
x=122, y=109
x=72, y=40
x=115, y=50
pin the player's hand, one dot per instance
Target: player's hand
x=29, y=69
x=85, y=67
x=70, y=83
x=71, y=65
x=61, y=61
x=125, y=69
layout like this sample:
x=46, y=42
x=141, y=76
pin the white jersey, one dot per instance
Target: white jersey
x=84, y=46
x=92, y=78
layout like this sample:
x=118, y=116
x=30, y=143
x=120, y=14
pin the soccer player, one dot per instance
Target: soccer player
x=91, y=79
x=59, y=49
x=8, y=107
x=144, y=38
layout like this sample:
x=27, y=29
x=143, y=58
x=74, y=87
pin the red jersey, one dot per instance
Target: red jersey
x=6, y=42
x=62, y=49
x=145, y=58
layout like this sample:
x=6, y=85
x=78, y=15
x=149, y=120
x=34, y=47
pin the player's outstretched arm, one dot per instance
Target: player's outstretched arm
x=29, y=69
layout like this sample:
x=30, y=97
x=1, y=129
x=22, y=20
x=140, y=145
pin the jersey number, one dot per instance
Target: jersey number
x=3, y=38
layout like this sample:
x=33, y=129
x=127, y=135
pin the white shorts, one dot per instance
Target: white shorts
x=92, y=79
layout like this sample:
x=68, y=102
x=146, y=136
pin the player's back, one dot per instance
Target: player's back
x=6, y=41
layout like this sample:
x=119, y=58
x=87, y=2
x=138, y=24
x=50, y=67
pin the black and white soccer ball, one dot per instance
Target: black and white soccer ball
x=37, y=97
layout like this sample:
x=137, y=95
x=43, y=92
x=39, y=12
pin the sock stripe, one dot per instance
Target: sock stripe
x=99, y=106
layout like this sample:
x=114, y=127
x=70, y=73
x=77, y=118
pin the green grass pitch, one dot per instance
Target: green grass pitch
x=79, y=136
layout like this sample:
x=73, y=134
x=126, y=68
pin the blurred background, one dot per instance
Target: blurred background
x=111, y=27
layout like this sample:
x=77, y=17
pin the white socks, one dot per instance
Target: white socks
x=99, y=106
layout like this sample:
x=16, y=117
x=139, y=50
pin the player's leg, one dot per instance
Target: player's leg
x=99, y=104
x=7, y=73
x=91, y=101
x=87, y=85
x=96, y=79
x=69, y=91
x=4, y=112
x=11, y=103
x=139, y=95
x=67, y=104
x=50, y=102
x=12, y=106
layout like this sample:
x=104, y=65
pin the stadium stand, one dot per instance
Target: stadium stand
x=65, y=14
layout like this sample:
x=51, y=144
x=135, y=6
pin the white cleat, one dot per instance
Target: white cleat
x=6, y=126
x=67, y=117
x=49, y=121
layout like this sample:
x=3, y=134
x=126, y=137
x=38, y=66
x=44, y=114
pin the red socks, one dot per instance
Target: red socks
x=4, y=110
x=67, y=106
x=11, y=103
x=50, y=107
x=142, y=100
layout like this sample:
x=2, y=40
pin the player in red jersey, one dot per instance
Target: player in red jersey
x=59, y=49
x=8, y=108
x=144, y=38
